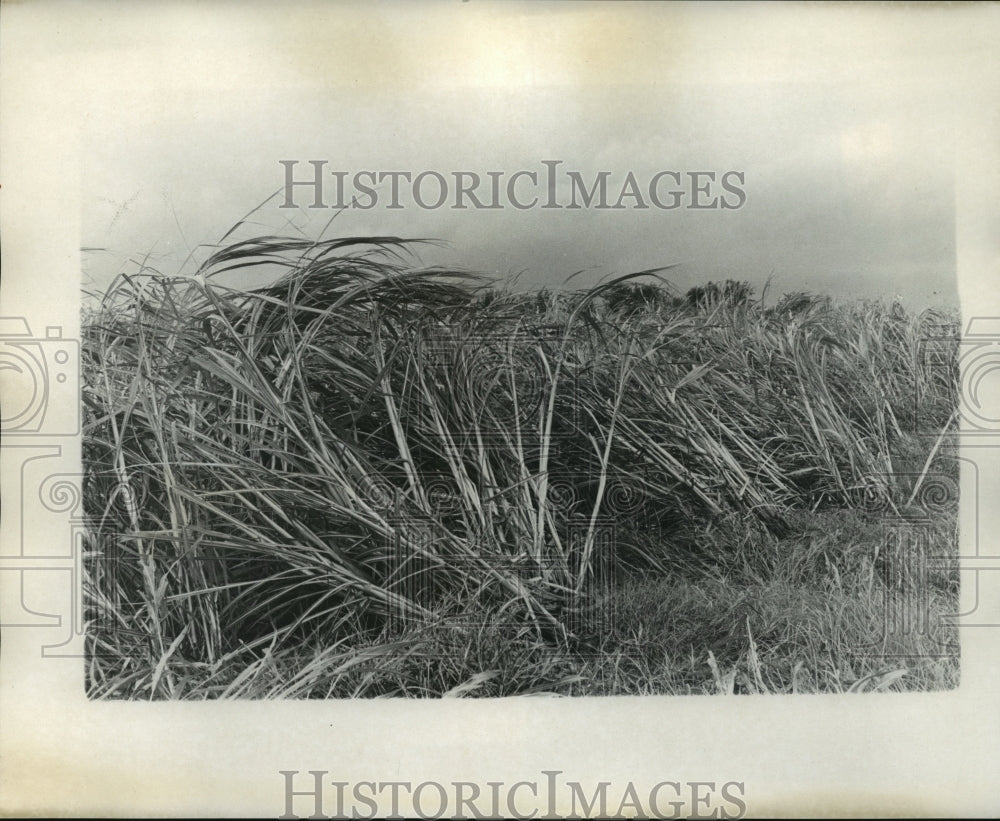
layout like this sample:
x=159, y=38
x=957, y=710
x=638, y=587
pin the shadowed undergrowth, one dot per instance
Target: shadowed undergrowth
x=369, y=479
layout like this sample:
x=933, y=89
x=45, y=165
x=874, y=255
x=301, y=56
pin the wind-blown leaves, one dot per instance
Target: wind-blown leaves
x=363, y=447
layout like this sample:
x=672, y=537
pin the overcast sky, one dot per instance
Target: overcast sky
x=844, y=127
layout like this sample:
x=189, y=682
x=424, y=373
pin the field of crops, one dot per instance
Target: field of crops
x=371, y=479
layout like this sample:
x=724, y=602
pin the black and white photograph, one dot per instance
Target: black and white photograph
x=604, y=382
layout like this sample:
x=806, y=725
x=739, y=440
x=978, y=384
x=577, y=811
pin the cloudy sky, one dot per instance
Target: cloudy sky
x=843, y=122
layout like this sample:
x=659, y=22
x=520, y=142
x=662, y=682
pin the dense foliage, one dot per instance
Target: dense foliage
x=369, y=479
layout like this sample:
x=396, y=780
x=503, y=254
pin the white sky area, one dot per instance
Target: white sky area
x=843, y=121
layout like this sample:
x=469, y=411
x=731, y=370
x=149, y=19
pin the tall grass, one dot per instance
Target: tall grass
x=373, y=479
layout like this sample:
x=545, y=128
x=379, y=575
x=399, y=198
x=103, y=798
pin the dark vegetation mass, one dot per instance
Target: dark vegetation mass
x=370, y=479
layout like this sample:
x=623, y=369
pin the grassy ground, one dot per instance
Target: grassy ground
x=374, y=480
